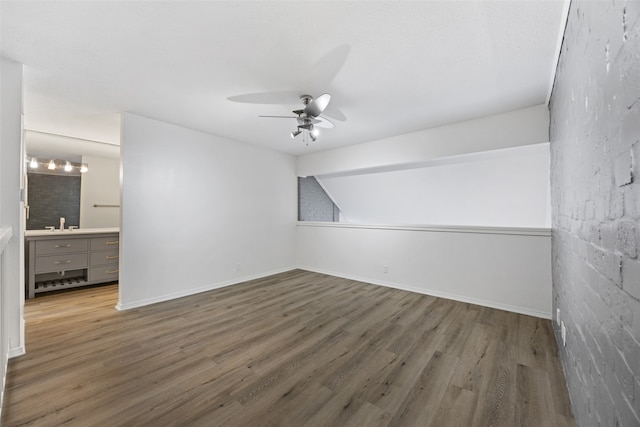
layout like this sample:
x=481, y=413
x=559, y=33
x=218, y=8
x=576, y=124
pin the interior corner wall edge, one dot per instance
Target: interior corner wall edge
x=200, y=210
x=506, y=271
x=516, y=128
x=11, y=270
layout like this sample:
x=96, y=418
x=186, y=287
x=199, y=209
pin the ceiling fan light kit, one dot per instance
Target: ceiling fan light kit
x=309, y=116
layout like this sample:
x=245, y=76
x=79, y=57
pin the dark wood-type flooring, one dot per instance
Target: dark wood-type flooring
x=295, y=349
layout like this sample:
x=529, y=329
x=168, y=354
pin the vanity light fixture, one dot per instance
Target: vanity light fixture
x=52, y=165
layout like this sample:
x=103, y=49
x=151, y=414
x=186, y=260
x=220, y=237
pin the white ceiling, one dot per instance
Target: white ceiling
x=392, y=67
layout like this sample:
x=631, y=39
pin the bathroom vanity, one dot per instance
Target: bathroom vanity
x=70, y=258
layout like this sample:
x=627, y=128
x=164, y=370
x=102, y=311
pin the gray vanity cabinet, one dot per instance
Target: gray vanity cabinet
x=69, y=260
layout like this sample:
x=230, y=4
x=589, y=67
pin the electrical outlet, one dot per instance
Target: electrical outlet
x=563, y=332
x=385, y=269
x=238, y=266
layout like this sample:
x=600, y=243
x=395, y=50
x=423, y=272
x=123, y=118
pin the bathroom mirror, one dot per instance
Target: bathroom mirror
x=71, y=178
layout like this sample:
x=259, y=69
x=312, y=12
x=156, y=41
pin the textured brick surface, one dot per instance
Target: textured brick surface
x=313, y=202
x=52, y=197
x=595, y=140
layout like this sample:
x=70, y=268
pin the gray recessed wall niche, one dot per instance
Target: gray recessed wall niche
x=595, y=187
x=314, y=204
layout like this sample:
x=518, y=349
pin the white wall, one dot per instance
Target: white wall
x=194, y=206
x=11, y=217
x=100, y=185
x=492, y=171
x=521, y=127
x=508, y=269
x=507, y=187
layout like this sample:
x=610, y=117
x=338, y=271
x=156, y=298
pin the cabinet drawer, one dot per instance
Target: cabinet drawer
x=50, y=247
x=104, y=273
x=63, y=262
x=104, y=257
x=110, y=242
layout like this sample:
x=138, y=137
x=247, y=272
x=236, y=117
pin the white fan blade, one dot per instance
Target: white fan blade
x=335, y=113
x=324, y=123
x=318, y=105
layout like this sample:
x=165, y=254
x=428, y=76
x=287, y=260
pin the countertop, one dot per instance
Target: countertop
x=67, y=232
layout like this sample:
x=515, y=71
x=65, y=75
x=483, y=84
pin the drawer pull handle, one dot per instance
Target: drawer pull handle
x=63, y=262
x=111, y=271
x=64, y=246
x=115, y=242
x=112, y=257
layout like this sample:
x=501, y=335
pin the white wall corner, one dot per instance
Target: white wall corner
x=234, y=218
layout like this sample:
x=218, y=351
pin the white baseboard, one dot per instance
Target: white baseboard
x=461, y=298
x=431, y=292
x=188, y=292
x=12, y=352
x=17, y=351
x=4, y=382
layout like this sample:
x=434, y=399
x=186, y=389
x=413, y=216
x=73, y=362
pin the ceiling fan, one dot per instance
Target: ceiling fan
x=308, y=118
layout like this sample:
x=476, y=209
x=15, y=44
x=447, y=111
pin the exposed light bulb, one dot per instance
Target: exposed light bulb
x=68, y=167
x=52, y=165
x=84, y=168
x=314, y=133
x=33, y=164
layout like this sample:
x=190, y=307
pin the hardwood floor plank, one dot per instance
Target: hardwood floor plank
x=429, y=389
x=459, y=410
x=392, y=391
x=496, y=389
x=471, y=371
x=298, y=409
x=533, y=398
x=293, y=349
x=368, y=415
x=534, y=341
x=350, y=381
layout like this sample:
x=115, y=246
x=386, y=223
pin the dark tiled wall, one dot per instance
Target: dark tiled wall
x=595, y=181
x=52, y=197
x=313, y=202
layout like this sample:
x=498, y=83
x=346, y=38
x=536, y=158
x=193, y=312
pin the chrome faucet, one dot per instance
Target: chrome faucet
x=61, y=223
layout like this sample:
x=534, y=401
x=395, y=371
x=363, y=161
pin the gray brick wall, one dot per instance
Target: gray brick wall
x=595, y=156
x=52, y=197
x=313, y=202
